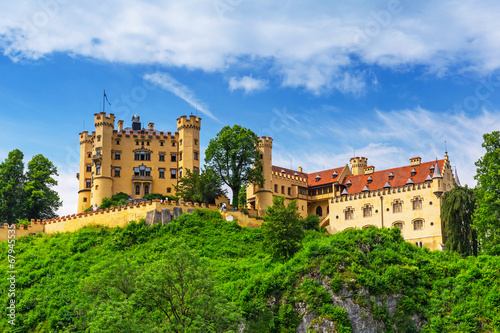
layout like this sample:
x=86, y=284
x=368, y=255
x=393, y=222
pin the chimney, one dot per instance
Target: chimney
x=300, y=169
x=120, y=125
x=150, y=126
x=369, y=170
x=415, y=161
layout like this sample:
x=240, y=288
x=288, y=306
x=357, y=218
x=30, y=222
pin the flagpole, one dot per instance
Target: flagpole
x=103, y=102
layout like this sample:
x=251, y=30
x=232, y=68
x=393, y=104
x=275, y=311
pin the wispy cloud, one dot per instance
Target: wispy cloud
x=247, y=83
x=167, y=82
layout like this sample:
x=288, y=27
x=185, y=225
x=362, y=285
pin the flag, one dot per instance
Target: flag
x=106, y=97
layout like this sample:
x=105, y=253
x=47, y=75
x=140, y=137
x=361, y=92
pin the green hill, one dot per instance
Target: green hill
x=202, y=274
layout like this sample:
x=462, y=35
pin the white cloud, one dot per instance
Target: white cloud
x=247, y=83
x=168, y=83
x=315, y=45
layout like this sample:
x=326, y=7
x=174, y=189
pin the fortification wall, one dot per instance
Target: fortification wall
x=21, y=230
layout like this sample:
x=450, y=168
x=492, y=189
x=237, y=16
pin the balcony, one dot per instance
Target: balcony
x=97, y=158
x=142, y=178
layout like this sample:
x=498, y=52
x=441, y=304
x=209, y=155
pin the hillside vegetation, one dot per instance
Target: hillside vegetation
x=202, y=274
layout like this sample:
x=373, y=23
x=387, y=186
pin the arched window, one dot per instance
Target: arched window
x=349, y=213
x=367, y=210
x=397, y=206
x=398, y=224
x=282, y=189
x=417, y=203
x=137, y=190
x=146, y=189
x=418, y=224
x=319, y=211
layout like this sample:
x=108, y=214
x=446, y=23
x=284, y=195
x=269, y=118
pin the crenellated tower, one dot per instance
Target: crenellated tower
x=102, y=186
x=264, y=195
x=189, y=143
x=358, y=165
x=85, y=171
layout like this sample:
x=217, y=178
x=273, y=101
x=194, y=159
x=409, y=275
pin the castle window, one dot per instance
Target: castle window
x=98, y=169
x=89, y=155
x=180, y=172
x=180, y=142
x=289, y=191
x=173, y=143
x=349, y=213
x=418, y=224
x=162, y=157
x=89, y=168
x=147, y=143
x=367, y=211
x=137, y=143
x=137, y=190
x=162, y=173
x=98, y=138
x=195, y=156
x=180, y=156
x=276, y=188
x=397, y=206
x=398, y=225
x=117, y=156
x=117, y=142
x=319, y=211
x=261, y=156
x=142, y=156
x=282, y=189
x=195, y=169
x=162, y=143
x=88, y=183
x=195, y=142
x=98, y=151
x=417, y=203
x=146, y=189
x=84, y=199
x=169, y=190
x=117, y=172
x=173, y=158
x=148, y=172
x=173, y=173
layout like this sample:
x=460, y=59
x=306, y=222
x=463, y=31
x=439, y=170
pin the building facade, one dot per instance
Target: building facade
x=134, y=160
x=357, y=196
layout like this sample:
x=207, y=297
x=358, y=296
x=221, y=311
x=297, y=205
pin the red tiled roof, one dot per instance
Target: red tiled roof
x=326, y=175
x=401, y=175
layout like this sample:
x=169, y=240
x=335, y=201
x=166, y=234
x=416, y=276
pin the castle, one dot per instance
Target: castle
x=134, y=160
x=357, y=196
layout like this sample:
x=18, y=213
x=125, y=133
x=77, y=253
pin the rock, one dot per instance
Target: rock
x=153, y=217
x=166, y=217
x=177, y=212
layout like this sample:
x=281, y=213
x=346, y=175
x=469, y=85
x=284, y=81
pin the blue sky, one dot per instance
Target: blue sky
x=388, y=80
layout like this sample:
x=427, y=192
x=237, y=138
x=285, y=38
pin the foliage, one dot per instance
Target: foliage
x=242, y=196
x=27, y=195
x=233, y=155
x=12, y=182
x=202, y=187
x=282, y=229
x=116, y=200
x=154, y=196
x=456, y=213
x=311, y=222
x=486, y=218
x=105, y=280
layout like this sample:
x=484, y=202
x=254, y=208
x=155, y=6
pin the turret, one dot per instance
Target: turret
x=189, y=143
x=84, y=175
x=101, y=157
x=358, y=165
x=264, y=194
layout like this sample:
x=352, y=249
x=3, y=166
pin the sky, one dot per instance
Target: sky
x=387, y=80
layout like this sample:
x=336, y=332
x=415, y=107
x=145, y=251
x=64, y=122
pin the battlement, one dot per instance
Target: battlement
x=414, y=161
x=359, y=160
x=101, y=119
x=287, y=176
x=382, y=192
x=188, y=122
x=266, y=141
x=85, y=137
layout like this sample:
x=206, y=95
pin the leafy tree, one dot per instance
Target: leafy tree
x=203, y=187
x=12, y=182
x=486, y=218
x=234, y=157
x=154, y=196
x=242, y=196
x=456, y=213
x=282, y=229
x=41, y=200
x=181, y=289
x=311, y=222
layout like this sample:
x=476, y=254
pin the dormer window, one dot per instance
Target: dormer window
x=413, y=172
x=335, y=174
x=369, y=180
x=282, y=171
x=432, y=168
x=391, y=176
x=349, y=183
x=318, y=178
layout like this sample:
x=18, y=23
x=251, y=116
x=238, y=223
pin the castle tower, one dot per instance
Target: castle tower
x=101, y=157
x=358, y=165
x=189, y=143
x=264, y=195
x=85, y=173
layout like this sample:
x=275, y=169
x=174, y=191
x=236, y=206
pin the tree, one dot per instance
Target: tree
x=311, y=222
x=41, y=200
x=12, y=182
x=486, y=217
x=456, y=214
x=282, y=229
x=202, y=187
x=242, y=196
x=234, y=157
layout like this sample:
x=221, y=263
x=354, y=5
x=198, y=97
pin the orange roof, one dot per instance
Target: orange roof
x=326, y=176
x=401, y=175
